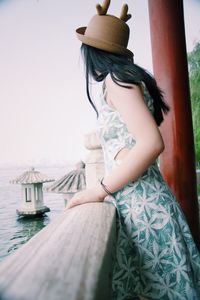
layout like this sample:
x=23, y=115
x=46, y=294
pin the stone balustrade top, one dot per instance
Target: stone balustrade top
x=71, y=258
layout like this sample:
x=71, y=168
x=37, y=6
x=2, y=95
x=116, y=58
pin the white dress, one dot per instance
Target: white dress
x=156, y=256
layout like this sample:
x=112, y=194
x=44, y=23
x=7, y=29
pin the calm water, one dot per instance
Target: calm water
x=15, y=230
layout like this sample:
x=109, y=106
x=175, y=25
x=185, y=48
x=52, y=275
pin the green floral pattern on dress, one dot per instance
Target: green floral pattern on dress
x=156, y=256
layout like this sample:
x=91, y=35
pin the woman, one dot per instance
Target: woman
x=156, y=257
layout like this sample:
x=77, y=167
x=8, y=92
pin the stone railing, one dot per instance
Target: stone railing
x=71, y=258
x=94, y=168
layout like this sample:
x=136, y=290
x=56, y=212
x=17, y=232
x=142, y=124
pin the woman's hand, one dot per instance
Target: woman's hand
x=94, y=194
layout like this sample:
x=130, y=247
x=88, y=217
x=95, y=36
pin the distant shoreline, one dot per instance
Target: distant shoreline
x=37, y=166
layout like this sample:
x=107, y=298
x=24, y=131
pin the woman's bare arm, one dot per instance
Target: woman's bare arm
x=141, y=124
x=149, y=144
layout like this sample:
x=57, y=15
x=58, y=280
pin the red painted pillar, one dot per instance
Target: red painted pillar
x=177, y=162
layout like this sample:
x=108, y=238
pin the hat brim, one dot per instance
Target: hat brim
x=101, y=44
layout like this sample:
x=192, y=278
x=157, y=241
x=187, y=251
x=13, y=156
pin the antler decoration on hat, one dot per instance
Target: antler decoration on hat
x=102, y=9
x=124, y=16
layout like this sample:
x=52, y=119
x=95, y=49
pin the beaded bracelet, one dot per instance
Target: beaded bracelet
x=105, y=187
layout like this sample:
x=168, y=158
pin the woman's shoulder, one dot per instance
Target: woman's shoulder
x=121, y=89
x=111, y=85
x=115, y=92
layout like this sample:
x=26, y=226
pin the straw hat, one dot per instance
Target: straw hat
x=107, y=32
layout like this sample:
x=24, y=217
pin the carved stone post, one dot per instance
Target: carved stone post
x=94, y=168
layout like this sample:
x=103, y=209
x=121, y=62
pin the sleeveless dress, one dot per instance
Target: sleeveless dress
x=156, y=257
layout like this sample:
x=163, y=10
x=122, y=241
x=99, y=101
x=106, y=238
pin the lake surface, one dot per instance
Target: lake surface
x=15, y=230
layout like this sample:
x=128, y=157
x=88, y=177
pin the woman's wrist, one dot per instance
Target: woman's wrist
x=101, y=192
x=105, y=187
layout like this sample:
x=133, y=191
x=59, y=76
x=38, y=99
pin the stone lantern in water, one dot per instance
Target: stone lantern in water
x=32, y=203
x=70, y=183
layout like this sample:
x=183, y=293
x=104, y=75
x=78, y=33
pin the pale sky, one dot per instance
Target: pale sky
x=44, y=109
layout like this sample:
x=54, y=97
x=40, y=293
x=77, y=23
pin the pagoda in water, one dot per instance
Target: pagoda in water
x=32, y=203
x=69, y=184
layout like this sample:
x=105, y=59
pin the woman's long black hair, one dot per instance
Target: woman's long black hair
x=98, y=63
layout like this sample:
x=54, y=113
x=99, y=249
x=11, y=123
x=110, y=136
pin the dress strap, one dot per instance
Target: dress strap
x=103, y=93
